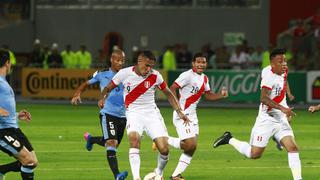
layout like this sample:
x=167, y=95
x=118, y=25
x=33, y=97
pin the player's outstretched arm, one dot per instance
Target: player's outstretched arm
x=105, y=93
x=290, y=96
x=24, y=115
x=4, y=112
x=174, y=103
x=216, y=96
x=173, y=88
x=314, y=108
x=264, y=98
x=76, y=98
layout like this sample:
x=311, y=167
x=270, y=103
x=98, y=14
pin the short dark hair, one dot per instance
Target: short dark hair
x=197, y=55
x=275, y=52
x=148, y=54
x=4, y=57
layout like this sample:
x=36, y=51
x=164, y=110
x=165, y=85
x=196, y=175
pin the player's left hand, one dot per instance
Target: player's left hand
x=313, y=109
x=75, y=100
x=184, y=118
x=291, y=97
x=101, y=103
x=224, y=92
x=24, y=115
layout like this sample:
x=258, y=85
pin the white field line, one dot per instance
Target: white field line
x=207, y=168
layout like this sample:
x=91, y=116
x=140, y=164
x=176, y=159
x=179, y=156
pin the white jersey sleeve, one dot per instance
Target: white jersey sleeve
x=119, y=77
x=207, y=85
x=161, y=84
x=266, y=81
x=183, y=79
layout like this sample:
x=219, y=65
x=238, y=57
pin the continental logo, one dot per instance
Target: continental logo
x=36, y=82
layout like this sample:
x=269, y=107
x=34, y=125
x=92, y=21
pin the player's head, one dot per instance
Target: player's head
x=146, y=61
x=5, y=60
x=278, y=61
x=117, y=59
x=199, y=63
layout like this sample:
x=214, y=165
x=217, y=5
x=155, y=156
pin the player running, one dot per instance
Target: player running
x=112, y=116
x=273, y=118
x=140, y=82
x=12, y=140
x=192, y=84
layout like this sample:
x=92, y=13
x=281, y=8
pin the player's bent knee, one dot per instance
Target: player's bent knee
x=112, y=142
x=164, y=150
x=293, y=149
x=255, y=155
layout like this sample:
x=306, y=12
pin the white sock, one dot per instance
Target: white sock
x=162, y=162
x=295, y=165
x=134, y=158
x=174, y=142
x=184, y=162
x=241, y=146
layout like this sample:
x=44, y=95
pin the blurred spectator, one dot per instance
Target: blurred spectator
x=55, y=59
x=256, y=58
x=69, y=58
x=300, y=30
x=220, y=59
x=169, y=59
x=37, y=55
x=207, y=51
x=184, y=57
x=12, y=56
x=100, y=60
x=238, y=58
x=46, y=54
x=316, y=19
x=84, y=58
x=266, y=56
x=135, y=53
x=315, y=60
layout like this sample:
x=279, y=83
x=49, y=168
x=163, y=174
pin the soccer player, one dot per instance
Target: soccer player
x=192, y=84
x=273, y=118
x=12, y=140
x=140, y=82
x=112, y=116
x=314, y=108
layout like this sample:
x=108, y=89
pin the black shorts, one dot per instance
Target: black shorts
x=12, y=140
x=112, y=127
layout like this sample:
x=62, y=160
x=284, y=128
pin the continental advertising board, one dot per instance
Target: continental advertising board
x=56, y=83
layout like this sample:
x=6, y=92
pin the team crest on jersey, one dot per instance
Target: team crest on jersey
x=147, y=84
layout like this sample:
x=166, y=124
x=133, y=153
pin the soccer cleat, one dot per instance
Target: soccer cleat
x=178, y=177
x=278, y=144
x=154, y=146
x=224, y=139
x=123, y=175
x=87, y=137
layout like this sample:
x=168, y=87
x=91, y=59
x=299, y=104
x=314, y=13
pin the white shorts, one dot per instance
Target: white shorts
x=186, y=132
x=150, y=121
x=267, y=126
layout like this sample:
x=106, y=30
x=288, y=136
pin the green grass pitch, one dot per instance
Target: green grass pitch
x=66, y=158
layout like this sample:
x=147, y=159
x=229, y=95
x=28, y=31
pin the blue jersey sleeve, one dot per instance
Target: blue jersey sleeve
x=95, y=78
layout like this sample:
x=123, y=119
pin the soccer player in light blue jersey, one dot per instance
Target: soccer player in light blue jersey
x=12, y=140
x=112, y=116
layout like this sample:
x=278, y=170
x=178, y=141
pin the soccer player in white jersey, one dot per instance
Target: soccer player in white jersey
x=192, y=84
x=273, y=118
x=140, y=82
x=314, y=108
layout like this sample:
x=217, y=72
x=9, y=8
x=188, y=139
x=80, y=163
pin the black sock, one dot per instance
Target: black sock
x=14, y=166
x=98, y=140
x=27, y=173
x=112, y=159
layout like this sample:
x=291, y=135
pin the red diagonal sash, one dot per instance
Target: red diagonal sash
x=196, y=96
x=140, y=89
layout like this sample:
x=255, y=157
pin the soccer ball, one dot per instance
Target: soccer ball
x=153, y=176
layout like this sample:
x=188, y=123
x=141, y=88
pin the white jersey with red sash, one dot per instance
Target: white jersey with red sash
x=192, y=86
x=277, y=84
x=139, y=91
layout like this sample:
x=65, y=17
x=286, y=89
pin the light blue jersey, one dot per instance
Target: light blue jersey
x=114, y=104
x=8, y=103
